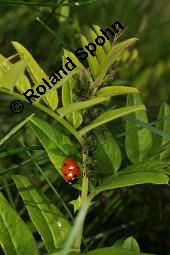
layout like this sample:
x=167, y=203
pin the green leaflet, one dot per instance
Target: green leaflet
x=74, y=118
x=36, y=73
x=11, y=76
x=165, y=127
x=107, y=153
x=131, y=244
x=124, y=56
x=101, y=55
x=81, y=105
x=138, y=143
x=15, y=237
x=22, y=83
x=49, y=221
x=109, y=116
x=63, y=80
x=142, y=173
x=5, y=65
x=57, y=145
x=111, y=58
x=116, y=90
x=76, y=203
x=130, y=179
x=93, y=63
x=107, y=45
x=128, y=243
x=74, y=59
x=80, y=66
x=119, y=242
x=147, y=165
x=114, y=251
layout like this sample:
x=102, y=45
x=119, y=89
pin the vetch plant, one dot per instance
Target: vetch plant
x=70, y=65
x=85, y=108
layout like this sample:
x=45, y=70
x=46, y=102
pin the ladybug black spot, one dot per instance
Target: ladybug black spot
x=65, y=174
x=65, y=164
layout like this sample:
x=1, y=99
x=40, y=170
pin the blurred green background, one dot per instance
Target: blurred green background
x=144, y=211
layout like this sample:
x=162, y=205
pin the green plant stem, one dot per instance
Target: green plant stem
x=78, y=240
x=84, y=200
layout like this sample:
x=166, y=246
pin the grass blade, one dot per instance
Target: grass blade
x=4, y=154
x=15, y=129
x=56, y=5
x=148, y=126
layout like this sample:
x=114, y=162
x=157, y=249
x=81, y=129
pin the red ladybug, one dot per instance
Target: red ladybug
x=70, y=170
